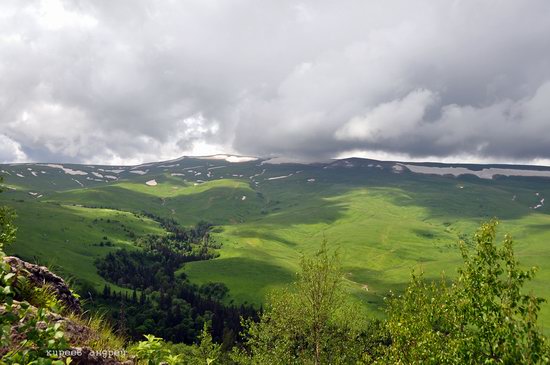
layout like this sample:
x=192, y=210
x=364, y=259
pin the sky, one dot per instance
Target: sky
x=130, y=81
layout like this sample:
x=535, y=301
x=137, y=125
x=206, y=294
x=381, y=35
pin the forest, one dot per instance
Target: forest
x=161, y=302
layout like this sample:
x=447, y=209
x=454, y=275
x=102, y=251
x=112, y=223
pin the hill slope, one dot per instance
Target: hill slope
x=386, y=217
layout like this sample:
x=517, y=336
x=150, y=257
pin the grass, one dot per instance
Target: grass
x=383, y=225
x=102, y=336
x=67, y=238
x=375, y=251
x=219, y=201
x=382, y=234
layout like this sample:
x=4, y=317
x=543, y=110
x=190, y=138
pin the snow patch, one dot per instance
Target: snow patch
x=151, y=183
x=66, y=170
x=19, y=175
x=78, y=182
x=486, y=173
x=279, y=177
x=91, y=179
x=244, y=197
x=260, y=174
x=229, y=158
x=541, y=204
x=398, y=168
x=139, y=172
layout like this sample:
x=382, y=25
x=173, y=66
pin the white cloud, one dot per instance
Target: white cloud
x=53, y=15
x=103, y=81
x=10, y=151
x=389, y=120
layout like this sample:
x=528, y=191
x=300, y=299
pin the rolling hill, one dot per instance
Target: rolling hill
x=385, y=218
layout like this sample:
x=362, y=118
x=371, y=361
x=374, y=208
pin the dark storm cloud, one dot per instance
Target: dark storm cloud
x=126, y=81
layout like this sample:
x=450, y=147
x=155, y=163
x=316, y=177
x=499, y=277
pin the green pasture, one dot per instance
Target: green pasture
x=383, y=225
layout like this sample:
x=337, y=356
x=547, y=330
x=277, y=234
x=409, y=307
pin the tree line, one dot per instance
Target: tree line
x=162, y=303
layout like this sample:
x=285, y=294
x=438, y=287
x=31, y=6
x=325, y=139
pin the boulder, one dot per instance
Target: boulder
x=40, y=276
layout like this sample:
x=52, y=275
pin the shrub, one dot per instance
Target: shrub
x=483, y=316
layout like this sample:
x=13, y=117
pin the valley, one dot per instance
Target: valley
x=385, y=218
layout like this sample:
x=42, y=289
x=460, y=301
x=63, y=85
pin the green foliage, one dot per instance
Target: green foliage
x=422, y=325
x=7, y=229
x=484, y=316
x=159, y=257
x=216, y=291
x=153, y=351
x=156, y=351
x=26, y=334
x=41, y=339
x=37, y=296
x=179, y=308
x=206, y=352
x=309, y=323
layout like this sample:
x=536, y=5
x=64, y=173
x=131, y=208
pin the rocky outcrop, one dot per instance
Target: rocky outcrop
x=75, y=330
x=40, y=276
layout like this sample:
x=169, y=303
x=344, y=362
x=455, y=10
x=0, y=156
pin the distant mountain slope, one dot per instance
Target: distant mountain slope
x=46, y=177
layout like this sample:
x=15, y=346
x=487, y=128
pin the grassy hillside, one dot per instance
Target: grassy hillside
x=385, y=222
x=69, y=238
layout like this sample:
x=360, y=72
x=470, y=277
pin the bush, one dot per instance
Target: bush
x=308, y=323
x=483, y=316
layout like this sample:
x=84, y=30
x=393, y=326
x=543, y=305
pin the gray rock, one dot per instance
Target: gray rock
x=40, y=276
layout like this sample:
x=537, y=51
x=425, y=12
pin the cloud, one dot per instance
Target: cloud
x=97, y=81
x=506, y=129
x=10, y=151
x=389, y=121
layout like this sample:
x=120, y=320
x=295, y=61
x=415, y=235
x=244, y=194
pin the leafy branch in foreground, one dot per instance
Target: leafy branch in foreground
x=483, y=316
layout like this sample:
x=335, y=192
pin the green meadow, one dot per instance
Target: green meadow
x=68, y=238
x=383, y=225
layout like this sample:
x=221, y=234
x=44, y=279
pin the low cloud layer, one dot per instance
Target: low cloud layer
x=133, y=81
